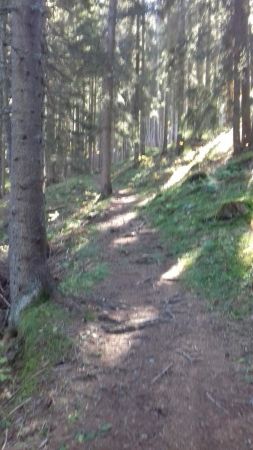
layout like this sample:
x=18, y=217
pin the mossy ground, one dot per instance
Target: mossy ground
x=43, y=331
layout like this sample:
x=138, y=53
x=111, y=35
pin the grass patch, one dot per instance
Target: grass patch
x=80, y=282
x=216, y=255
x=145, y=176
x=45, y=343
x=72, y=205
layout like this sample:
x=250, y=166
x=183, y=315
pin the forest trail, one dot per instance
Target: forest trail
x=154, y=371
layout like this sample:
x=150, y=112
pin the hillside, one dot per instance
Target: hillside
x=148, y=339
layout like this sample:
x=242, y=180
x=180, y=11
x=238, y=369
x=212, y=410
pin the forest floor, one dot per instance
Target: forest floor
x=151, y=368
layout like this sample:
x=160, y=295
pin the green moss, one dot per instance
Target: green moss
x=42, y=330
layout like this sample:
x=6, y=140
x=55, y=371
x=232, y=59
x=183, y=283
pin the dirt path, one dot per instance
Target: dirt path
x=155, y=372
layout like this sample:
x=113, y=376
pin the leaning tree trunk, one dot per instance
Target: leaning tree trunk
x=107, y=108
x=29, y=275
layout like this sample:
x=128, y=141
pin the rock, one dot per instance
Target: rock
x=232, y=210
x=198, y=176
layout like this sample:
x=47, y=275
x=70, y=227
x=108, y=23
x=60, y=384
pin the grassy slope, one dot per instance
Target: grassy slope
x=215, y=256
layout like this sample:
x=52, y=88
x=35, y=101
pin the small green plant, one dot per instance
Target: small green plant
x=88, y=436
x=5, y=371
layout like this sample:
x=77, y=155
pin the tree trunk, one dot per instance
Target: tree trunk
x=246, y=122
x=181, y=64
x=236, y=108
x=107, y=108
x=136, y=112
x=208, y=45
x=29, y=274
x=237, y=29
x=143, y=68
x=166, y=121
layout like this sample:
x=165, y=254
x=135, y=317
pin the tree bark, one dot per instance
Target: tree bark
x=143, y=68
x=136, y=106
x=246, y=122
x=107, y=108
x=29, y=274
x=237, y=28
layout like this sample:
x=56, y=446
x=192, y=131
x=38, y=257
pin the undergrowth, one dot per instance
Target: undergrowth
x=71, y=205
x=45, y=343
x=215, y=255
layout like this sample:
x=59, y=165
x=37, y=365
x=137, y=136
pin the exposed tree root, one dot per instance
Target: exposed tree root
x=132, y=327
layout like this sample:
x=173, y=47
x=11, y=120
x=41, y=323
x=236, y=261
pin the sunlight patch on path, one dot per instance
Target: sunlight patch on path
x=118, y=221
x=117, y=346
x=182, y=264
x=125, y=240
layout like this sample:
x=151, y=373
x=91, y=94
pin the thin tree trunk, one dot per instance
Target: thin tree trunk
x=166, y=121
x=137, y=89
x=236, y=108
x=107, y=108
x=246, y=122
x=143, y=68
x=208, y=49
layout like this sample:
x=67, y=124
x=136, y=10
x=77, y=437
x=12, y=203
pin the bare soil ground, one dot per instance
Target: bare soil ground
x=154, y=371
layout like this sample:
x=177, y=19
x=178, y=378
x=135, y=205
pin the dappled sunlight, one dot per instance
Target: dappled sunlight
x=245, y=248
x=221, y=143
x=181, y=266
x=112, y=348
x=52, y=217
x=174, y=272
x=4, y=250
x=125, y=240
x=118, y=221
x=117, y=346
x=146, y=200
x=125, y=200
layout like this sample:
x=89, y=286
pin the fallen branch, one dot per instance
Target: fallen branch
x=185, y=355
x=5, y=301
x=209, y=396
x=18, y=407
x=132, y=327
x=162, y=374
x=6, y=439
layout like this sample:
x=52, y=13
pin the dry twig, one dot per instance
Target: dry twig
x=162, y=374
x=6, y=439
x=5, y=301
x=185, y=355
x=209, y=396
x=18, y=407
